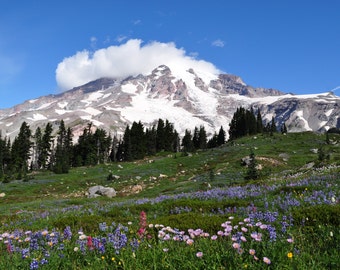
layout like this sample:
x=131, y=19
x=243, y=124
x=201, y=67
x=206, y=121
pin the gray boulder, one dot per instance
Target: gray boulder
x=97, y=191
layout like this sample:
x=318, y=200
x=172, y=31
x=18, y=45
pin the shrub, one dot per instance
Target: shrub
x=318, y=214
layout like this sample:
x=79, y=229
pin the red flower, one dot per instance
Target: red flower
x=90, y=243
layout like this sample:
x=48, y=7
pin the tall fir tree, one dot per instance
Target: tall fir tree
x=252, y=171
x=37, y=149
x=62, y=158
x=259, y=122
x=126, y=145
x=160, y=135
x=21, y=150
x=151, y=140
x=187, y=143
x=46, y=147
x=221, y=136
x=195, y=138
x=202, y=138
x=137, y=141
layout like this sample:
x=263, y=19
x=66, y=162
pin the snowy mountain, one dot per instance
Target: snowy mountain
x=188, y=100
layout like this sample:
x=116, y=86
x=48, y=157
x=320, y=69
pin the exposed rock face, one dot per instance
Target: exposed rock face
x=188, y=100
x=314, y=113
x=97, y=191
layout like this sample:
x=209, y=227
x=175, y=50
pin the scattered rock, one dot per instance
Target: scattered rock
x=136, y=189
x=314, y=150
x=97, y=191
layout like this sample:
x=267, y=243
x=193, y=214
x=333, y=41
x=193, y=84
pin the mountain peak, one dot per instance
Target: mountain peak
x=188, y=99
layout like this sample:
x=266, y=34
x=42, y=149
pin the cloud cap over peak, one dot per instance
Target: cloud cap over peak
x=128, y=59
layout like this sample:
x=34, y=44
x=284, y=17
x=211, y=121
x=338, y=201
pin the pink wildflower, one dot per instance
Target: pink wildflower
x=190, y=242
x=266, y=260
x=142, y=223
x=199, y=254
x=236, y=245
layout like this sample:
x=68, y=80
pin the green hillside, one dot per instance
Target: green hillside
x=299, y=177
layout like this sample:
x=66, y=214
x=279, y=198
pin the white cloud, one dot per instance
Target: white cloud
x=128, y=59
x=218, y=43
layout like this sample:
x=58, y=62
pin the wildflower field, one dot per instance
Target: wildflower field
x=201, y=215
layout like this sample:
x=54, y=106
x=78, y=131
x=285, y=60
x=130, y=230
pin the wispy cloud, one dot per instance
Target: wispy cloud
x=218, y=43
x=334, y=89
x=128, y=59
x=93, y=41
x=136, y=22
x=121, y=38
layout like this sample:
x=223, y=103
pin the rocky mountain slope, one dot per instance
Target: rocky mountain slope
x=189, y=100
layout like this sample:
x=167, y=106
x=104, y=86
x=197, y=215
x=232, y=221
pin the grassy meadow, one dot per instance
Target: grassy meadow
x=176, y=211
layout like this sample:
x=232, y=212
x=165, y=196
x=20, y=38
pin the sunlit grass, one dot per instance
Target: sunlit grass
x=296, y=211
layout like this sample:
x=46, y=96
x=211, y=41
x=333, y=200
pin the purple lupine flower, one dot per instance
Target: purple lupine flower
x=25, y=253
x=43, y=261
x=34, y=244
x=34, y=264
x=272, y=232
x=103, y=227
x=67, y=233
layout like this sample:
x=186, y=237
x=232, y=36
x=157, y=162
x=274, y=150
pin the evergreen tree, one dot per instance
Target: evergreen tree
x=151, y=141
x=283, y=129
x=195, y=139
x=187, y=143
x=169, y=137
x=86, y=150
x=21, y=150
x=137, y=141
x=126, y=145
x=213, y=141
x=37, y=149
x=120, y=151
x=202, y=138
x=5, y=158
x=46, y=147
x=160, y=135
x=273, y=127
x=62, y=158
x=103, y=143
x=259, y=122
x=251, y=124
x=221, y=137
x=252, y=172
x=176, y=142
x=2, y=153
x=114, y=149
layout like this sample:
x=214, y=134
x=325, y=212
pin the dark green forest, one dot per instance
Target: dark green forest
x=41, y=150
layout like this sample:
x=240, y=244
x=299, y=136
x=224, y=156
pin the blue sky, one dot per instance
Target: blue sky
x=46, y=46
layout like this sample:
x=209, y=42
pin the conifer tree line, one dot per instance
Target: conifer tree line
x=42, y=150
x=246, y=122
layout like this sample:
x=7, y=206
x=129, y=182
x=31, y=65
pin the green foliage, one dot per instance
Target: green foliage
x=88, y=223
x=318, y=214
x=55, y=201
x=252, y=170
